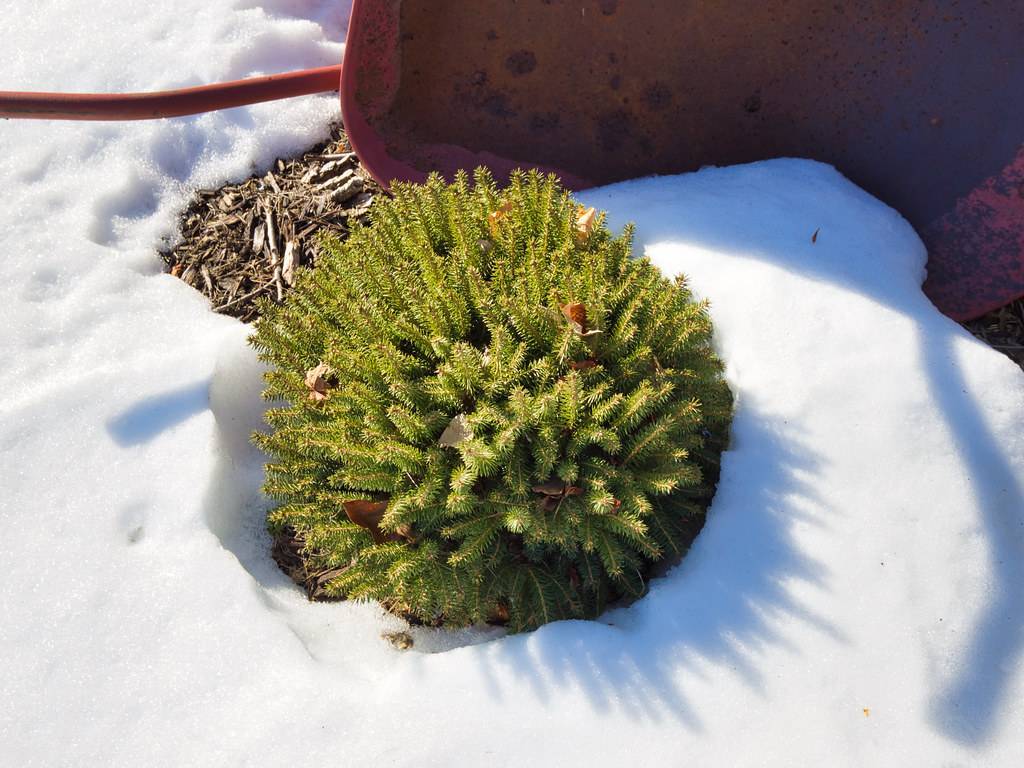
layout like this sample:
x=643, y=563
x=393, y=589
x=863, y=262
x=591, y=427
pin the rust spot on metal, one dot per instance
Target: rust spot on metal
x=614, y=129
x=521, y=62
x=657, y=96
x=546, y=122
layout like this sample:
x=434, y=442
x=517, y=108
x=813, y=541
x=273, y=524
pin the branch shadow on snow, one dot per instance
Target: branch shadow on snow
x=964, y=709
x=640, y=657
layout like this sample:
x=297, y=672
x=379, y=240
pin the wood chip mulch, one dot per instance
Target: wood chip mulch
x=1003, y=330
x=244, y=241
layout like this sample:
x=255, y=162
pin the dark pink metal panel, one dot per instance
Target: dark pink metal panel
x=976, y=250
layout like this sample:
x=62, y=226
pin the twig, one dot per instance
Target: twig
x=249, y=295
x=279, y=284
x=275, y=256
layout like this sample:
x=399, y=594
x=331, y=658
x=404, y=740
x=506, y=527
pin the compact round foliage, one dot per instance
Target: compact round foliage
x=495, y=413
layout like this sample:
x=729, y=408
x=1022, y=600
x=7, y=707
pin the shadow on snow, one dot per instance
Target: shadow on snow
x=965, y=707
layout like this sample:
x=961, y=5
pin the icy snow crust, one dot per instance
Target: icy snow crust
x=855, y=599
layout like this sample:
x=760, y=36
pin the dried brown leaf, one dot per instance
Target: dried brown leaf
x=500, y=615
x=557, y=489
x=585, y=222
x=318, y=381
x=368, y=514
x=554, y=488
x=458, y=431
x=401, y=640
x=576, y=314
x=495, y=217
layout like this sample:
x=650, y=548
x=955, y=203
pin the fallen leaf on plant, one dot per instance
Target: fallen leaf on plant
x=550, y=503
x=500, y=614
x=557, y=488
x=365, y=513
x=368, y=514
x=585, y=222
x=495, y=217
x=458, y=431
x=576, y=314
x=582, y=365
x=550, y=488
x=318, y=381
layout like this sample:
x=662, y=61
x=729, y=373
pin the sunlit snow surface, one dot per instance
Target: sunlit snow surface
x=857, y=597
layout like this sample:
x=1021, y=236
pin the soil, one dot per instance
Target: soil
x=287, y=553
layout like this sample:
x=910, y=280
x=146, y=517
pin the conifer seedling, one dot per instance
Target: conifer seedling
x=489, y=412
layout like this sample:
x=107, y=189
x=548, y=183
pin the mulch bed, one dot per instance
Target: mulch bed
x=1003, y=329
x=244, y=241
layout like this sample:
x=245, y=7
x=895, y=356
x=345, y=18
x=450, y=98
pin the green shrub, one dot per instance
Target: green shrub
x=495, y=414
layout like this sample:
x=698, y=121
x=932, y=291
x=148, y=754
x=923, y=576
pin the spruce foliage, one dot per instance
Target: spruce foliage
x=492, y=412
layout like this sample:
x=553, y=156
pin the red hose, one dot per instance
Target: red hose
x=185, y=101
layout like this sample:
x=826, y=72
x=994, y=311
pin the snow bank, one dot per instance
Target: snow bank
x=855, y=599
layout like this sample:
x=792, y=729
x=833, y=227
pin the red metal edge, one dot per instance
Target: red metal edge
x=369, y=83
x=176, y=103
x=976, y=251
x=372, y=57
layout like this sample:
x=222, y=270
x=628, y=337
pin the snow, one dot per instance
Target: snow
x=856, y=598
